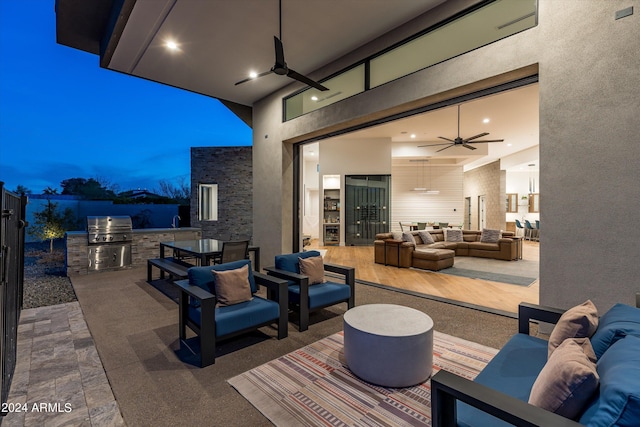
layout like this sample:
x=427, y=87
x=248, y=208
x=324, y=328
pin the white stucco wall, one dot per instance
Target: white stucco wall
x=589, y=101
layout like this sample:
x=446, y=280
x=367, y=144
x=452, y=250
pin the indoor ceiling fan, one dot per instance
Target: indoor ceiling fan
x=461, y=141
x=280, y=67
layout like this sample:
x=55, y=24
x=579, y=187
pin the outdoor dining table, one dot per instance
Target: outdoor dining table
x=205, y=249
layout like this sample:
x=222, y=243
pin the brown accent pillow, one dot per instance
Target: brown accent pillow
x=587, y=348
x=580, y=321
x=232, y=286
x=313, y=268
x=566, y=382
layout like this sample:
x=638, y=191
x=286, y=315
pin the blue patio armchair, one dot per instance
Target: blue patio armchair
x=213, y=322
x=305, y=298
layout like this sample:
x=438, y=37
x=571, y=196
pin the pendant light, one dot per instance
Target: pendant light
x=423, y=189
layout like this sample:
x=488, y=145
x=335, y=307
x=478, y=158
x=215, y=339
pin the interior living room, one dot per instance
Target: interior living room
x=411, y=175
x=406, y=59
x=427, y=173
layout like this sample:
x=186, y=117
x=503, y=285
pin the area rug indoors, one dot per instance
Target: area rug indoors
x=522, y=272
x=312, y=386
x=488, y=275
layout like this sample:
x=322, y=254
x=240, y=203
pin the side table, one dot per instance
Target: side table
x=388, y=345
x=518, y=240
x=392, y=252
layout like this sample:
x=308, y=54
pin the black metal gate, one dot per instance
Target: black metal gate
x=367, y=207
x=12, y=274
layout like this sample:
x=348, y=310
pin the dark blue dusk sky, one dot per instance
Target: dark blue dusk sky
x=62, y=116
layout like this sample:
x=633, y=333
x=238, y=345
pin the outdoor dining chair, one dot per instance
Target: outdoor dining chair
x=233, y=250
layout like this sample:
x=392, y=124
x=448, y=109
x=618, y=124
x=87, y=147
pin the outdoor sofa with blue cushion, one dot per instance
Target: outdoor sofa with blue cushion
x=503, y=387
x=305, y=297
x=201, y=312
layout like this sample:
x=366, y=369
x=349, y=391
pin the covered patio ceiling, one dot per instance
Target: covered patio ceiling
x=219, y=42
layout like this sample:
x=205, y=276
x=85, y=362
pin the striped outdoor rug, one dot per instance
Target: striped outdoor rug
x=313, y=387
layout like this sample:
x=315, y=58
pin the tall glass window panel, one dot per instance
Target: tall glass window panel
x=490, y=23
x=208, y=198
x=346, y=84
x=486, y=25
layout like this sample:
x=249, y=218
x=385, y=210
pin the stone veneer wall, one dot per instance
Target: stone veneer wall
x=145, y=245
x=489, y=181
x=230, y=168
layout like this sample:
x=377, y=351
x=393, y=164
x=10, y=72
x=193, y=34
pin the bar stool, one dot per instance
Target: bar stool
x=529, y=228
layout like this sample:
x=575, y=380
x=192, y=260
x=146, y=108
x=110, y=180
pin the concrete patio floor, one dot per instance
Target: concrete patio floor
x=60, y=377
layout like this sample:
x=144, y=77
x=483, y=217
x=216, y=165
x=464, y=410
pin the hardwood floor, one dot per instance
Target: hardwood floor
x=494, y=295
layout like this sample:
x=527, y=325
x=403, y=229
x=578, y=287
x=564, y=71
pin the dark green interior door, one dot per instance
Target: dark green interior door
x=367, y=207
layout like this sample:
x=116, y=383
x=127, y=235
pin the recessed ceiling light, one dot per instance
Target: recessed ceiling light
x=413, y=135
x=509, y=145
x=253, y=74
x=171, y=45
x=314, y=98
x=485, y=120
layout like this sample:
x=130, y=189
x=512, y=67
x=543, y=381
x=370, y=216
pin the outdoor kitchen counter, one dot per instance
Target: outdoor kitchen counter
x=177, y=231
x=145, y=245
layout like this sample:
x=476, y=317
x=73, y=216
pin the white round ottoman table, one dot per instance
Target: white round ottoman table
x=388, y=345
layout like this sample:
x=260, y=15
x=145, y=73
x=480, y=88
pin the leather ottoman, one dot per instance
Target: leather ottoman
x=433, y=259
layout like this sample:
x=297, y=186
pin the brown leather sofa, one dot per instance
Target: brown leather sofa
x=504, y=249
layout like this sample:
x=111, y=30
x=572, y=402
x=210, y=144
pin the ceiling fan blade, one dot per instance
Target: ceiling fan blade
x=476, y=136
x=447, y=139
x=253, y=78
x=442, y=149
x=465, y=145
x=486, y=140
x=279, y=53
x=304, y=79
x=435, y=144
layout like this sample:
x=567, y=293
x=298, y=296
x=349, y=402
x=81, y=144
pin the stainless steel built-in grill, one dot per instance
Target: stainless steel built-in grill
x=109, y=241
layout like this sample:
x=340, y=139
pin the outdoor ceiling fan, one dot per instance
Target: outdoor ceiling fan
x=461, y=141
x=280, y=67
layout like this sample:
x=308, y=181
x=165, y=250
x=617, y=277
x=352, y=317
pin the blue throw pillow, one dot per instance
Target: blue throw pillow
x=290, y=262
x=618, y=401
x=621, y=320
